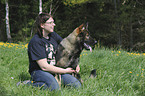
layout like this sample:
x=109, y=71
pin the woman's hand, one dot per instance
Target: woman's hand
x=53, y=69
x=69, y=70
x=77, y=68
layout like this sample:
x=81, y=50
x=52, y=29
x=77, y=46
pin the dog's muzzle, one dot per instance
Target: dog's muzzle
x=87, y=47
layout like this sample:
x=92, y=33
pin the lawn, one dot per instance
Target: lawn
x=119, y=73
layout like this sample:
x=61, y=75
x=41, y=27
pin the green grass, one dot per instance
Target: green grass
x=119, y=73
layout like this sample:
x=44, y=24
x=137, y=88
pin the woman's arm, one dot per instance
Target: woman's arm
x=53, y=69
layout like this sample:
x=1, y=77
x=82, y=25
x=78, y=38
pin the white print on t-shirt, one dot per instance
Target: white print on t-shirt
x=50, y=54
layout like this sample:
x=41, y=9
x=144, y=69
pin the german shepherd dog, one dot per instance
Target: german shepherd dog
x=70, y=48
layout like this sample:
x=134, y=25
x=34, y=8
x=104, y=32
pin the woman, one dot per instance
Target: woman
x=41, y=52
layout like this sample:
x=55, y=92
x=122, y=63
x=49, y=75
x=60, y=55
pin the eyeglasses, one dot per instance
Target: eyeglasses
x=52, y=22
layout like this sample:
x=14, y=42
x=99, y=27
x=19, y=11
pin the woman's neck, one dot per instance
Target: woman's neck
x=45, y=35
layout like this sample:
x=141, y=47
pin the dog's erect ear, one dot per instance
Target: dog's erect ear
x=85, y=26
x=82, y=27
x=79, y=29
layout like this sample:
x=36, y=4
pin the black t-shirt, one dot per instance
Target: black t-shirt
x=40, y=48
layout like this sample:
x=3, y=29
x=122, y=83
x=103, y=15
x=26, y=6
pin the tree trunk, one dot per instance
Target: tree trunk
x=131, y=34
x=117, y=23
x=40, y=6
x=7, y=22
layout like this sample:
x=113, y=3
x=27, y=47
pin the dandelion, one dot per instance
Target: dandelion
x=9, y=46
x=137, y=74
x=5, y=45
x=1, y=43
x=26, y=45
x=31, y=81
x=142, y=69
x=117, y=54
x=130, y=72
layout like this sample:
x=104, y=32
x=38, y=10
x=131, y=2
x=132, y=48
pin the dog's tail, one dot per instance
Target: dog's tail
x=93, y=73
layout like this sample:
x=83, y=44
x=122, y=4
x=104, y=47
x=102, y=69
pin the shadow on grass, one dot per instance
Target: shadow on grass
x=24, y=76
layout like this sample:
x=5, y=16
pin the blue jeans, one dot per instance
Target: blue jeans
x=46, y=80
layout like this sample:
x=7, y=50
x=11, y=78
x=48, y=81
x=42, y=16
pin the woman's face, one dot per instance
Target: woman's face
x=48, y=26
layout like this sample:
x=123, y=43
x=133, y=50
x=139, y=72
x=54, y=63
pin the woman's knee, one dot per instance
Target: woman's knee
x=46, y=78
x=69, y=80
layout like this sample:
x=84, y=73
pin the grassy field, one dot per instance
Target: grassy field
x=119, y=73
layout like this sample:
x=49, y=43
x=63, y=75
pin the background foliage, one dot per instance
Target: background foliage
x=111, y=22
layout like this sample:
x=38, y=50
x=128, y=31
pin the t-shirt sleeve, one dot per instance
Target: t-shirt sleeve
x=57, y=37
x=37, y=50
